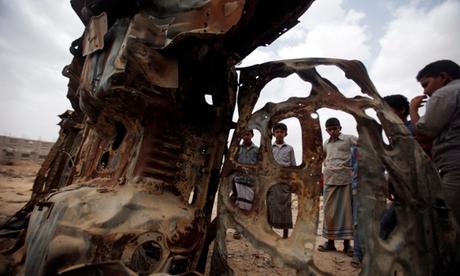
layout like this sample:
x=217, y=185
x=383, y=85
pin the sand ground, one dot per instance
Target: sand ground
x=247, y=260
x=16, y=181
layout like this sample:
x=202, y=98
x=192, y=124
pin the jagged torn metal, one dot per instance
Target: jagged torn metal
x=425, y=235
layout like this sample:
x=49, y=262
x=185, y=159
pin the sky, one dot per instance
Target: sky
x=393, y=38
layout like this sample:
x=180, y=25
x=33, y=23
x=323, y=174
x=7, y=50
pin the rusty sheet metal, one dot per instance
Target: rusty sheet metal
x=129, y=64
x=426, y=222
x=130, y=185
x=88, y=225
x=141, y=39
x=210, y=17
x=135, y=182
x=216, y=17
x=254, y=22
x=93, y=38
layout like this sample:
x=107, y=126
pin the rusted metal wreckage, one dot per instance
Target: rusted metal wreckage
x=130, y=184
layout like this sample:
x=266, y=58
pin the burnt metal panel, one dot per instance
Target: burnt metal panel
x=93, y=39
x=426, y=232
x=130, y=184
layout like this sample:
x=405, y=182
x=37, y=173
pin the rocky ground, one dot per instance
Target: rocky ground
x=16, y=181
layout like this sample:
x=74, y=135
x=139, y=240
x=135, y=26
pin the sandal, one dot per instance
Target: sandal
x=326, y=247
x=355, y=263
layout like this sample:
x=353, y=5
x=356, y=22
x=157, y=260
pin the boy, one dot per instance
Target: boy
x=242, y=189
x=279, y=195
x=441, y=124
x=337, y=173
x=400, y=106
x=243, y=184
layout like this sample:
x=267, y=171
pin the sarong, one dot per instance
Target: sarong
x=338, y=219
x=244, y=192
x=279, y=206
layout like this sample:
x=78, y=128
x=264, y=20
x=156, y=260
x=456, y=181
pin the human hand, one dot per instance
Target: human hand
x=390, y=196
x=418, y=102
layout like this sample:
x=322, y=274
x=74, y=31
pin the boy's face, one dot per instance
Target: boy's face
x=334, y=131
x=247, y=138
x=431, y=84
x=279, y=135
x=401, y=112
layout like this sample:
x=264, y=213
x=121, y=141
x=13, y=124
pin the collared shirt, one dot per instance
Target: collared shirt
x=283, y=154
x=408, y=124
x=442, y=121
x=337, y=165
x=248, y=155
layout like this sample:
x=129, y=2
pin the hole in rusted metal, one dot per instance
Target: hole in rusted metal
x=256, y=139
x=208, y=99
x=293, y=137
x=178, y=266
x=104, y=160
x=192, y=196
x=121, y=133
x=386, y=138
x=280, y=207
x=345, y=85
x=281, y=89
x=347, y=121
x=243, y=185
x=146, y=257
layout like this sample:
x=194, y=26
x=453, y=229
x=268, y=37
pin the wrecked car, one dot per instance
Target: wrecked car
x=130, y=185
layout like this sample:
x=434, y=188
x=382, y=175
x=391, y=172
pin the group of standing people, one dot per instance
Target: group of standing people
x=440, y=124
x=437, y=131
x=279, y=196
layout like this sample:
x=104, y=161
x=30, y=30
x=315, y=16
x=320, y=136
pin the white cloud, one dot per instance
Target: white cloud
x=323, y=12
x=419, y=32
x=338, y=41
x=415, y=37
x=34, y=40
x=35, y=37
x=327, y=29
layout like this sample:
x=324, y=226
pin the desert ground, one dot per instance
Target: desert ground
x=16, y=181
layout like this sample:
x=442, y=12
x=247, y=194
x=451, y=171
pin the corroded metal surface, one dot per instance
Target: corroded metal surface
x=133, y=176
x=426, y=233
x=129, y=186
